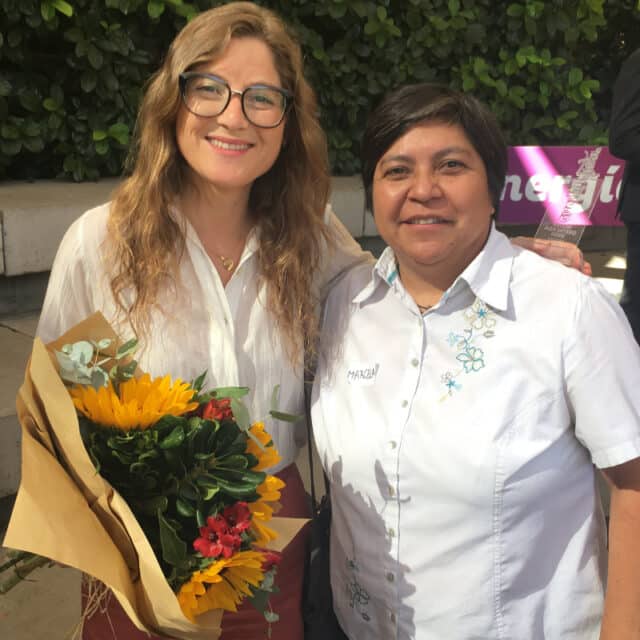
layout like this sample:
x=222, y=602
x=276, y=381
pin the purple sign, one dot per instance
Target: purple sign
x=540, y=178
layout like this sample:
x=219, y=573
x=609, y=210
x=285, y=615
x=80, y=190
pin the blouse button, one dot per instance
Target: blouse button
x=415, y=362
x=405, y=403
x=390, y=577
x=393, y=444
x=392, y=532
x=391, y=491
x=392, y=617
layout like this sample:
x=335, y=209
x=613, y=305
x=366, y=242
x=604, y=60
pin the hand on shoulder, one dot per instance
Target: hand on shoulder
x=563, y=252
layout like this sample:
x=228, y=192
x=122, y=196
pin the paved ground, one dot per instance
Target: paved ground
x=46, y=604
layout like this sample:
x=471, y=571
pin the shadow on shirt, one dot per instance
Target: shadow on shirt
x=369, y=583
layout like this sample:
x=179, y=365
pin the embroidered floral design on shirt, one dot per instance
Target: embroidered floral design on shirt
x=357, y=594
x=480, y=323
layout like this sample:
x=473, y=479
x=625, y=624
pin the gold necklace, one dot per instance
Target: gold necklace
x=227, y=263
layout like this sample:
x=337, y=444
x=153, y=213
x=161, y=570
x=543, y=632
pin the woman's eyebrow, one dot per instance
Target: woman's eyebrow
x=396, y=158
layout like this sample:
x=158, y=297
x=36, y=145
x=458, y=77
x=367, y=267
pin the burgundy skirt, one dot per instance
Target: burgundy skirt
x=112, y=623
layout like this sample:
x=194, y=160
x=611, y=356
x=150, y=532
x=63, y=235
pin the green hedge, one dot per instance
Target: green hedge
x=71, y=71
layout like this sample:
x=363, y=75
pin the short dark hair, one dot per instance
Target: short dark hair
x=412, y=104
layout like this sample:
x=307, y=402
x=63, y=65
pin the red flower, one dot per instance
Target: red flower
x=271, y=559
x=217, y=409
x=221, y=535
x=238, y=516
x=216, y=538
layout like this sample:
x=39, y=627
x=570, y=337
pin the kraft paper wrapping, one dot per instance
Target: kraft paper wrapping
x=66, y=511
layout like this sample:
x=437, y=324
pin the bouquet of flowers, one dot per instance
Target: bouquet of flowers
x=180, y=491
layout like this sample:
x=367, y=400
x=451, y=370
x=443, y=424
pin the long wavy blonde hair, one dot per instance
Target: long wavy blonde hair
x=288, y=201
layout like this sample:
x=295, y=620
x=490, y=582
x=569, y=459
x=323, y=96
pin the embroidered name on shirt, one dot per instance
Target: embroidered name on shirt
x=363, y=376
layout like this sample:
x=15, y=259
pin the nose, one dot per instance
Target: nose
x=424, y=185
x=233, y=116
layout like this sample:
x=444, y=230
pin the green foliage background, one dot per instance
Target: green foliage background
x=71, y=71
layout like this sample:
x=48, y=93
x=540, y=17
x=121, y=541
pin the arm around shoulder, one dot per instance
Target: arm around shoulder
x=340, y=256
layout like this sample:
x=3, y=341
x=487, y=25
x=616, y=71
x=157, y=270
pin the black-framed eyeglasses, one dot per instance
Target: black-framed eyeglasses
x=206, y=95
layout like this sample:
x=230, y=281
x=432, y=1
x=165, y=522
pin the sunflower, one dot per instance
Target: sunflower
x=268, y=455
x=222, y=584
x=261, y=511
x=140, y=403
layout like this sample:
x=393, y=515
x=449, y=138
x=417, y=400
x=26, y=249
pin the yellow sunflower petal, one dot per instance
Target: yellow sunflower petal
x=141, y=402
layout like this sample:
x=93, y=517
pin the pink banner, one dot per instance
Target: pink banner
x=538, y=178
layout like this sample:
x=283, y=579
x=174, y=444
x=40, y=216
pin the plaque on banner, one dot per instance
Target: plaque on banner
x=566, y=218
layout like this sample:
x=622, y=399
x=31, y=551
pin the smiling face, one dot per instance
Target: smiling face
x=431, y=201
x=227, y=151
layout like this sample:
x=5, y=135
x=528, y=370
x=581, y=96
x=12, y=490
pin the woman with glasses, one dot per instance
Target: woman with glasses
x=216, y=248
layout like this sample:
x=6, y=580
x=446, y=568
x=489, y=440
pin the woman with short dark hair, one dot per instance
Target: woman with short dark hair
x=465, y=390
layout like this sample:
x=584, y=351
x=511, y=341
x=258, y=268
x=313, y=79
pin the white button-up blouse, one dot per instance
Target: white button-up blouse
x=226, y=331
x=460, y=448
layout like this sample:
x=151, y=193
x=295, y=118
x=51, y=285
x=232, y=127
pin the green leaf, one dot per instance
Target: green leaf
x=381, y=12
x=63, y=7
x=5, y=87
x=515, y=10
x=130, y=345
x=57, y=93
x=10, y=132
x=454, y=7
x=155, y=9
x=88, y=81
x=95, y=57
x=35, y=145
x=285, y=417
x=153, y=505
x=174, y=550
x=241, y=414
x=371, y=27
x=237, y=489
x=50, y=104
x=173, y=440
x=47, y=10
x=199, y=381
x=74, y=35
x=575, y=76
x=184, y=508
x=231, y=392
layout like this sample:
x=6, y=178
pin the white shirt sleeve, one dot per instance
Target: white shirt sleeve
x=603, y=377
x=74, y=277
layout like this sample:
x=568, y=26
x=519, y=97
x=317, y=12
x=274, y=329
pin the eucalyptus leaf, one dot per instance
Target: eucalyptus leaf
x=99, y=378
x=81, y=352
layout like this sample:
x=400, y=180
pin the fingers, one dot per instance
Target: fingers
x=556, y=250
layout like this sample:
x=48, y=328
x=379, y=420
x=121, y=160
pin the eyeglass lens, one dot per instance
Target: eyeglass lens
x=208, y=97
